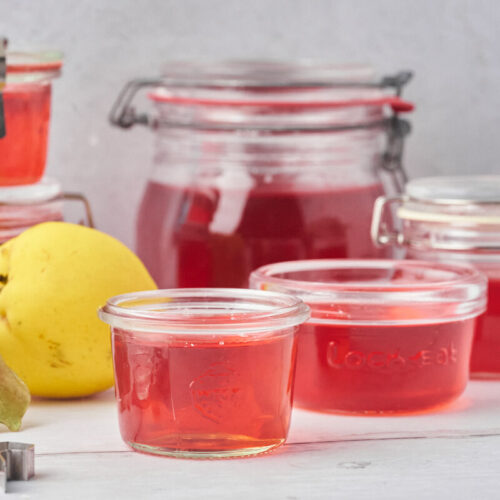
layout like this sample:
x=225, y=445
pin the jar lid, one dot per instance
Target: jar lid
x=33, y=66
x=263, y=74
x=45, y=190
x=385, y=292
x=461, y=199
x=273, y=84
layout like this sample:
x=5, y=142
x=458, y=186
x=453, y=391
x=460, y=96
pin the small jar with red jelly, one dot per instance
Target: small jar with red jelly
x=453, y=219
x=385, y=336
x=258, y=162
x=27, y=205
x=25, y=102
x=204, y=373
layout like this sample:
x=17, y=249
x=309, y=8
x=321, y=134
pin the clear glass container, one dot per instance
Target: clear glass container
x=27, y=205
x=204, y=373
x=385, y=336
x=26, y=115
x=262, y=162
x=453, y=219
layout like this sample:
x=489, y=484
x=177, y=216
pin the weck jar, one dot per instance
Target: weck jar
x=453, y=219
x=25, y=102
x=204, y=373
x=263, y=162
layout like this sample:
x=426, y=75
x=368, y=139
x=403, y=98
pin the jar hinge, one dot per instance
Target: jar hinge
x=122, y=113
x=381, y=234
x=392, y=159
x=397, y=81
x=3, y=78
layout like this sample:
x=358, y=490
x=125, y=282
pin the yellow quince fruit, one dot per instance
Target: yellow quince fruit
x=53, y=278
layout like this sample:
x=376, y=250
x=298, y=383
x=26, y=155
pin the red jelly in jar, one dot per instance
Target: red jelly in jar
x=454, y=219
x=204, y=373
x=26, y=100
x=262, y=162
x=384, y=336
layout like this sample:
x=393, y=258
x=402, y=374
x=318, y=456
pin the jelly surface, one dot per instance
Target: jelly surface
x=377, y=369
x=23, y=150
x=485, y=360
x=228, y=397
x=209, y=238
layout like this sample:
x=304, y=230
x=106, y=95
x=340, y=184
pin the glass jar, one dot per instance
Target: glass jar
x=261, y=162
x=204, y=373
x=25, y=114
x=24, y=206
x=385, y=336
x=453, y=219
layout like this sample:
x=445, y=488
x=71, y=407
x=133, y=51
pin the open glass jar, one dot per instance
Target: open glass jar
x=385, y=336
x=25, y=114
x=24, y=206
x=453, y=219
x=204, y=373
x=262, y=162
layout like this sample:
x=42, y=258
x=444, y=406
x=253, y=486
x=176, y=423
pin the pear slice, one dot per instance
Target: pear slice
x=14, y=398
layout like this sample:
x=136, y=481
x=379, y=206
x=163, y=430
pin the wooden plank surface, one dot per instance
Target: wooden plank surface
x=454, y=453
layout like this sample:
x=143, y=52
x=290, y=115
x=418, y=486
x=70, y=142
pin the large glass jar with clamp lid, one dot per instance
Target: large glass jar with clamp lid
x=263, y=162
x=453, y=219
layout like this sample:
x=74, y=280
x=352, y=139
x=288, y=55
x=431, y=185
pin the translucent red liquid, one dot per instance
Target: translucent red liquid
x=23, y=150
x=485, y=359
x=401, y=368
x=209, y=238
x=194, y=396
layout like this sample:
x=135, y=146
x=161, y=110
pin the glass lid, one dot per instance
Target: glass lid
x=265, y=74
x=273, y=83
x=461, y=199
x=460, y=189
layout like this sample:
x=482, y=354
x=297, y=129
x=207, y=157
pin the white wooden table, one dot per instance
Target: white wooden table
x=453, y=454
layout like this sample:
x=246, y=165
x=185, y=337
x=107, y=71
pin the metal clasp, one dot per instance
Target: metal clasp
x=123, y=114
x=392, y=160
x=397, y=81
x=381, y=234
x=3, y=79
x=78, y=197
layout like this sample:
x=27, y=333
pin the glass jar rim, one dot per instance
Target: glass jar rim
x=33, y=66
x=47, y=189
x=204, y=311
x=428, y=286
x=34, y=61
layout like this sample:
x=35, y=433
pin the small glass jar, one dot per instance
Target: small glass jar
x=24, y=119
x=204, y=373
x=263, y=162
x=453, y=219
x=384, y=336
x=24, y=206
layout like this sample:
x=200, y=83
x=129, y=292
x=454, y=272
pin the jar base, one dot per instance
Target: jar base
x=203, y=454
x=433, y=408
x=485, y=375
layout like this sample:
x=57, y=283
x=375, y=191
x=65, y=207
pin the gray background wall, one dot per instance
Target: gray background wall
x=452, y=45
